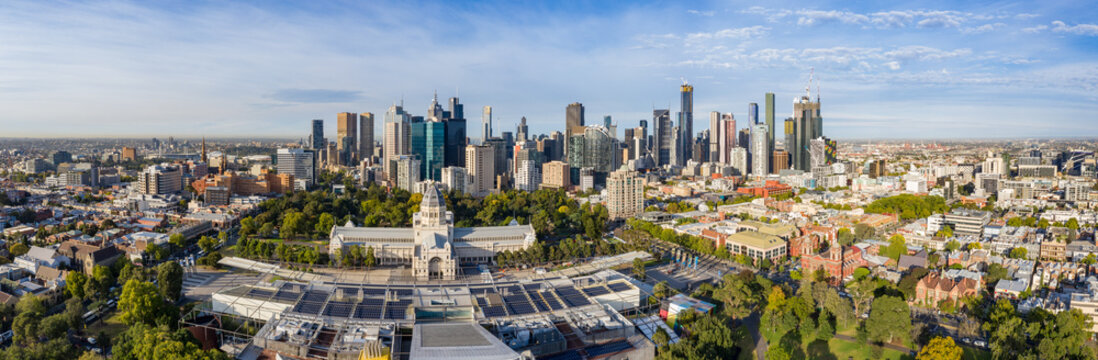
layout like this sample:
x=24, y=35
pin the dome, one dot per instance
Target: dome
x=432, y=199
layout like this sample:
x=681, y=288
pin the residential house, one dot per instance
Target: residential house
x=934, y=288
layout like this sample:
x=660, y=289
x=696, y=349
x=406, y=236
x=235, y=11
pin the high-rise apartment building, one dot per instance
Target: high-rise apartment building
x=456, y=178
x=480, y=163
x=528, y=176
x=760, y=153
x=555, y=175
x=715, y=135
x=366, y=135
x=821, y=152
x=779, y=161
x=807, y=125
x=316, y=139
x=686, y=123
x=486, y=123
x=573, y=121
x=347, y=137
x=407, y=172
x=625, y=195
x=160, y=179
x=722, y=136
x=300, y=163
x=737, y=158
x=662, y=137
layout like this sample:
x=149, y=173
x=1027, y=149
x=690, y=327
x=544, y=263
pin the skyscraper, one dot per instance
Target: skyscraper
x=428, y=145
x=779, y=161
x=770, y=119
x=366, y=135
x=522, y=131
x=486, y=121
x=396, y=138
x=316, y=139
x=753, y=113
x=662, y=137
x=456, y=137
x=715, y=135
x=760, y=153
x=573, y=121
x=594, y=149
x=346, y=137
x=686, y=123
x=807, y=125
x=728, y=137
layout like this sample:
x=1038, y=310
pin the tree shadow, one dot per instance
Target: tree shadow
x=819, y=349
x=791, y=341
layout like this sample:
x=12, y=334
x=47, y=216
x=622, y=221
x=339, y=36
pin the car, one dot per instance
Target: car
x=980, y=343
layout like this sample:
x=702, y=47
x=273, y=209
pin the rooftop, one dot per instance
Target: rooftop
x=755, y=239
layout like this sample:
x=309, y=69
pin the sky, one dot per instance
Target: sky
x=912, y=69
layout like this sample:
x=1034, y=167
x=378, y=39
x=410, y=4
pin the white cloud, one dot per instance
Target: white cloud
x=1035, y=29
x=700, y=13
x=1080, y=29
x=983, y=28
x=814, y=17
x=893, y=65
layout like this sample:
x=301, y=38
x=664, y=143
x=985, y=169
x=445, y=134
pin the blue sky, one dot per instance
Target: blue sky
x=894, y=70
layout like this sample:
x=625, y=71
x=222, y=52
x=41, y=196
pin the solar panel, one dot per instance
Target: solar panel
x=373, y=291
x=538, y=301
x=575, y=300
x=403, y=292
x=367, y=312
x=349, y=291
x=317, y=296
x=308, y=307
x=619, y=287
x=373, y=302
x=532, y=286
x=493, y=311
x=608, y=348
x=397, y=309
x=551, y=300
x=287, y=295
x=260, y=293
x=481, y=301
x=596, y=291
x=338, y=309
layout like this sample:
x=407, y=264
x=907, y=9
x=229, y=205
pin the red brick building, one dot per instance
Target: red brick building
x=837, y=262
x=770, y=188
x=934, y=288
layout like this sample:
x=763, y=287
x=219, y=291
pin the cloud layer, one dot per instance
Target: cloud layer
x=222, y=68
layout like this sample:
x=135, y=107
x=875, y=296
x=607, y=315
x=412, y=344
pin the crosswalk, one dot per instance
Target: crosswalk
x=194, y=279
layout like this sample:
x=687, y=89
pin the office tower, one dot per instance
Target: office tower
x=456, y=137
x=480, y=162
x=528, y=176
x=807, y=125
x=662, y=136
x=790, y=140
x=760, y=154
x=625, y=195
x=594, y=149
x=456, y=178
x=555, y=175
x=770, y=119
x=297, y=162
x=316, y=139
x=686, y=123
x=407, y=172
x=522, y=131
x=753, y=113
x=559, y=143
x=428, y=146
x=160, y=179
x=779, y=161
x=878, y=168
x=346, y=137
x=397, y=129
x=607, y=121
x=500, y=152
x=573, y=122
x=486, y=123
x=60, y=157
x=744, y=138
x=434, y=110
x=737, y=158
x=366, y=135
x=700, y=147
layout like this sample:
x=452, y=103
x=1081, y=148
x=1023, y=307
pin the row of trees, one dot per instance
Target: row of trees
x=908, y=206
x=279, y=251
x=564, y=250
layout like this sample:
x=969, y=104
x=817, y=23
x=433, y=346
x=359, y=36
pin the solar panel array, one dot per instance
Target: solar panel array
x=338, y=309
x=596, y=290
x=609, y=348
x=518, y=305
x=572, y=297
x=619, y=287
x=493, y=311
x=397, y=310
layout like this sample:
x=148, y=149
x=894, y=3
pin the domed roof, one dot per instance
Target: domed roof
x=432, y=198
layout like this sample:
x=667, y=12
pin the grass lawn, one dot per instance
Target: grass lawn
x=111, y=325
x=841, y=350
x=972, y=353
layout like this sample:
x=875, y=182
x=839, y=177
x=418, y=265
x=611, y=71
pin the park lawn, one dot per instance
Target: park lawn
x=112, y=325
x=972, y=353
x=842, y=349
x=746, y=344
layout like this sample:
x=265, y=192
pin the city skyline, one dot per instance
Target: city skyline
x=925, y=70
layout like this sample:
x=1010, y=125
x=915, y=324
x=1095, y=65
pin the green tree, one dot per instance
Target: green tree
x=74, y=313
x=324, y=224
x=156, y=252
x=638, y=268
x=1018, y=253
x=140, y=303
x=940, y=348
x=889, y=318
x=178, y=240
x=141, y=342
x=169, y=278
x=863, y=232
x=18, y=249
x=660, y=337
x=953, y=245
x=897, y=246
x=74, y=284
x=739, y=296
x=30, y=303
x=845, y=236
x=207, y=244
x=945, y=231
x=370, y=258
x=53, y=327
x=25, y=328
